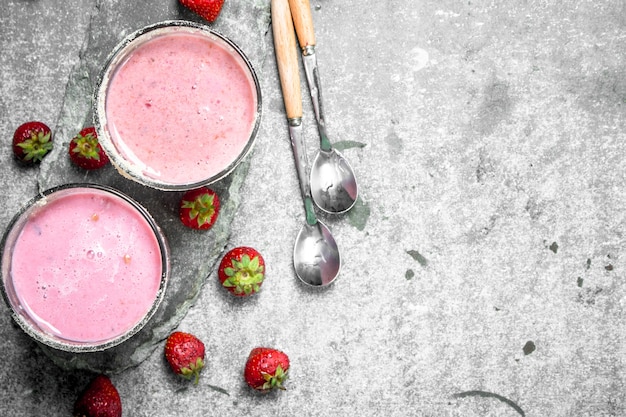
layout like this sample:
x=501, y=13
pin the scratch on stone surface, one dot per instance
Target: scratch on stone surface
x=394, y=142
x=486, y=394
x=554, y=247
x=588, y=296
x=608, y=265
x=529, y=347
x=533, y=208
x=486, y=229
x=218, y=389
x=418, y=257
x=495, y=108
x=483, y=169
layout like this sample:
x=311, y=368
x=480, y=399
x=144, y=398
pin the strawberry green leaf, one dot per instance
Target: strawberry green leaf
x=276, y=380
x=244, y=276
x=87, y=146
x=202, y=208
x=37, y=146
x=193, y=370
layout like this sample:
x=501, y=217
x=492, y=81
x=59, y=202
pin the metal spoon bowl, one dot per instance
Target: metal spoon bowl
x=333, y=183
x=316, y=256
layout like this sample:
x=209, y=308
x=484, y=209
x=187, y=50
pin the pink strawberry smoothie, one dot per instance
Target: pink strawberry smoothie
x=181, y=107
x=86, y=267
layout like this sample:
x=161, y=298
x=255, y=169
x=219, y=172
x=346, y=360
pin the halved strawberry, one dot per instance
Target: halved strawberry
x=185, y=354
x=100, y=399
x=31, y=142
x=199, y=208
x=242, y=271
x=266, y=369
x=85, y=150
x=207, y=9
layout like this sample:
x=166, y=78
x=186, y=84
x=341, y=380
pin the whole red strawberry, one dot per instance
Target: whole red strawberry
x=31, y=142
x=199, y=208
x=185, y=354
x=242, y=271
x=266, y=369
x=100, y=399
x=206, y=9
x=85, y=150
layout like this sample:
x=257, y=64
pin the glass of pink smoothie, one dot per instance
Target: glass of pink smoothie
x=84, y=267
x=177, y=106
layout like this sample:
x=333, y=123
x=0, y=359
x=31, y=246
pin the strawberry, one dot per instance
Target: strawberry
x=242, y=271
x=100, y=399
x=31, y=142
x=206, y=9
x=266, y=369
x=85, y=150
x=199, y=208
x=185, y=354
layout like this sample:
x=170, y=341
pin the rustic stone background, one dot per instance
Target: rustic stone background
x=483, y=268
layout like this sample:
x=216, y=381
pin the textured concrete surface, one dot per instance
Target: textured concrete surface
x=483, y=268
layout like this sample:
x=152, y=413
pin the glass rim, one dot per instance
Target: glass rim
x=10, y=236
x=125, y=167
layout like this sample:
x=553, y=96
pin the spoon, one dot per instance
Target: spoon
x=333, y=183
x=315, y=255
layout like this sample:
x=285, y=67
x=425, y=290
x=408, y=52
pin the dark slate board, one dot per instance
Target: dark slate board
x=193, y=253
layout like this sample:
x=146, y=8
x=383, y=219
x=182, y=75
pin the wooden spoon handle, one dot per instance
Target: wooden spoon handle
x=303, y=21
x=287, y=57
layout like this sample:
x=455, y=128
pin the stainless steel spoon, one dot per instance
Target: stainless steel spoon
x=333, y=183
x=315, y=255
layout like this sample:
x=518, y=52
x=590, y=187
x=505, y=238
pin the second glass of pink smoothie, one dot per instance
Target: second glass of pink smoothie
x=177, y=106
x=84, y=267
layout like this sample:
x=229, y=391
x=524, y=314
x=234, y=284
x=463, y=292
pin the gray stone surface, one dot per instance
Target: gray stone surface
x=483, y=268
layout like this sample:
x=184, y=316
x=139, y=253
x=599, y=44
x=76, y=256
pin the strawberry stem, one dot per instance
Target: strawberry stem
x=245, y=276
x=276, y=380
x=201, y=208
x=87, y=146
x=193, y=371
x=37, y=146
